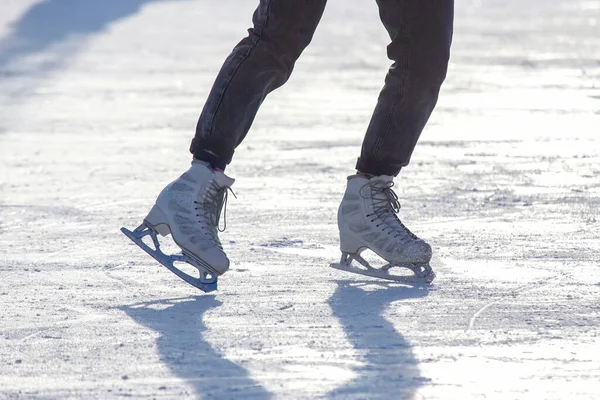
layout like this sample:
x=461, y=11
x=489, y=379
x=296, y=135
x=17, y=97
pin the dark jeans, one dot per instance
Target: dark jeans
x=420, y=32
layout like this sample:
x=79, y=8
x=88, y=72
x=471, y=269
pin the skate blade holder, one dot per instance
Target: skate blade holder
x=207, y=281
x=421, y=273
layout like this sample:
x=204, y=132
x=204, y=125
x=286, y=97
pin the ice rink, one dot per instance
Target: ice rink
x=98, y=104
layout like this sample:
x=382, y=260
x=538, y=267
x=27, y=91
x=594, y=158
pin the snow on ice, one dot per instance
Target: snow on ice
x=98, y=103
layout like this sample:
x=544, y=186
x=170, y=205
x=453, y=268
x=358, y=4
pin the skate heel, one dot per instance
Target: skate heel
x=350, y=245
x=157, y=221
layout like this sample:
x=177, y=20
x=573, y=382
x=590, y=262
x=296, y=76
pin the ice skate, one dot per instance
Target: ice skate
x=367, y=220
x=189, y=209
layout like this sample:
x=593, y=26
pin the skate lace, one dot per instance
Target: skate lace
x=386, y=206
x=214, y=200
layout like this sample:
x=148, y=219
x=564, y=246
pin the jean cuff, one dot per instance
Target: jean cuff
x=375, y=168
x=214, y=153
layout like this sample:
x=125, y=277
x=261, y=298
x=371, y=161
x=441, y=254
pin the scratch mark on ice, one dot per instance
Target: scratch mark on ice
x=520, y=290
x=478, y=313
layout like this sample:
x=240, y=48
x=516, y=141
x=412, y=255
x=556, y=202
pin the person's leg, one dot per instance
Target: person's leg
x=260, y=63
x=421, y=33
x=189, y=208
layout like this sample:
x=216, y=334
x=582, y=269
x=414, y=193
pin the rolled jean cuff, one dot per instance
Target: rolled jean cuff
x=212, y=152
x=377, y=167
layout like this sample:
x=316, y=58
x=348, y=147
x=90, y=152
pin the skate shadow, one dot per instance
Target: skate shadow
x=390, y=370
x=50, y=33
x=182, y=348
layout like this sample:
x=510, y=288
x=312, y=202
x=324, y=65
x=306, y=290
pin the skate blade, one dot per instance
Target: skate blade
x=208, y=279
x=419, y=277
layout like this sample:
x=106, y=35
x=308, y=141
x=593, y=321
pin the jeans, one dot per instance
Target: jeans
x=420, y=33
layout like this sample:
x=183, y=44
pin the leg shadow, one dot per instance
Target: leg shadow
x=390, y=369
x=183, y=350
x=50, y=32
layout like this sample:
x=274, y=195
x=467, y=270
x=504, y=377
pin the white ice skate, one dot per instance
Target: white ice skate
x=189, y=209
x=367, y=220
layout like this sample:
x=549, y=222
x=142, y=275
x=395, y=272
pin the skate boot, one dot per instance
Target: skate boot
x=367, y=220
x=189, y=209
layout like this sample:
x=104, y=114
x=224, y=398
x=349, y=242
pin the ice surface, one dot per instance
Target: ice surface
x=98, y=103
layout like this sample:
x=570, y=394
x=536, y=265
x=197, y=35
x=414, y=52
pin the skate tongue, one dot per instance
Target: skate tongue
x=382, y=178
x=223, y=180
x=200, y=170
